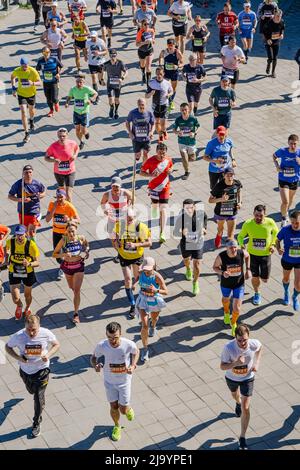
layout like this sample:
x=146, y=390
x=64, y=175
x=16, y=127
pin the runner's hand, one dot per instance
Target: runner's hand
x=240, y=361
x=184, y=232
x=130, y=369
x=272, y=249
x=226, y=274
x=14, y=93
x=45, y=358
x=25, y=262
x=224, y=198
x=98, y=367
x=23, y=359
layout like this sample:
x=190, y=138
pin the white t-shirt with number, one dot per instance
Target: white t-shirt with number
x=99, y=46
x=117, y=360
x=181, y=10
x=232, y=352
x=230, y=61
x=33, y=348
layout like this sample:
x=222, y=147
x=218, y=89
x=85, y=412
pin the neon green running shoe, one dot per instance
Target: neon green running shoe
x=188, y=274
x=196, y=288
x=130, y=414
x=116, y=433
x=162, y=238
x=226, y=318
x=233, y=328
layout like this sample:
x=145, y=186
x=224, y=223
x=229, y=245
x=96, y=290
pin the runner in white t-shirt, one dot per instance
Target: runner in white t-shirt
x=240, y=359
x=232, y=55
x=120, y=358
x=97, y=50
x=36, y=345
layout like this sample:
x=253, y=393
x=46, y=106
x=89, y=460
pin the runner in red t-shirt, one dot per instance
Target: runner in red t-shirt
x=227, y=22
x=158, y=168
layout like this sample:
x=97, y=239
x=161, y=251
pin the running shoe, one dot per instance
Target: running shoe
x=108, y=43
x=111, y=112
x=196, y=288
x=121, y=12
x=296, y=304
x=218, y=241
x=162, y=238
x=152, y=330
x=243, y=444
x=145, y=355
x=233, y=328
x=256, y=299
x=116, y=433
x=27, y=312
x=87, y=136
x=131, y=312
x=36, y=430
x=273, y=75
x=284, y=222
x=51, y=113
x=286, y=298
x=31, y=124
x=238, y=410
x=268, y=69
x=26, y=137
x=186, y=175
x=130, y=414
x=56, y=107
x=165, y=135
x=18, y=312
x=161, y=138
x=60, y=275
x=81, y=145
x=188, y=274
x=76, y=319
x=116, y=116
x=226, y=318
x=116, y=260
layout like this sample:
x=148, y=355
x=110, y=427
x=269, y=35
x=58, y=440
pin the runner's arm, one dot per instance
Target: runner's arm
x=162, y=285
x=57, y=251
x=54, y=348
x=256, y=361
x=275, y=160
x=242, y=235
x=13, y=354
x=217, y=266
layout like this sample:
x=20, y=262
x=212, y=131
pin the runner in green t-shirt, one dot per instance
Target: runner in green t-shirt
x=262, y=232
x=82, y=95
x=186, y=127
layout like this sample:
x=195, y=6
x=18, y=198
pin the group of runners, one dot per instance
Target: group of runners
x=130, y=237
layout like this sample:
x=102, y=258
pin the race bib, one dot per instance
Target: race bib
x=229, y=73
x=19, y=270
x=227, y=208
x=186, y=131
x=240, y=370
x=79, y=104
x=106, y=13
x=169, y=66
x=141, y=131
x=289, y=171
x=33, y=350
x=154, y=194
x=259, y=243
x=59, y=220
x=198, y=42
x=128, y=248
x=114, y=81
x=191, y=237
x=275, y=36
x=25, y=83
x=294, y=252
x=64, y=166
x=48, y=76
x=223, y=102
x=118, y=368
x=191, y=77
x=234, y=270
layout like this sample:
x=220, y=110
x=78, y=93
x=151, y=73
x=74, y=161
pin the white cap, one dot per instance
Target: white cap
x=54, y=4
x=94, y=34
x=247, y=4
x=148, y=264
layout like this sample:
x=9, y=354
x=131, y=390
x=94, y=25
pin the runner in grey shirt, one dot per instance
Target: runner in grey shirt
x=116, y=73
x=144, y=13
x=240, y=359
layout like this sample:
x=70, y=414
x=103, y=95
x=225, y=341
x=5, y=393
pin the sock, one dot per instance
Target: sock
x=172, y=97
x=286, y=286
x=116, y=107
x=111, y=106
x=235, y=316
x=148, y=75
x=274, y=63
x=143, y=70
x=295, y=294
x=95, y=87
x=130, y=296
x=283, y=217
x=31, y=120
x=246, y=53
x=226, y=306
x=195, y=109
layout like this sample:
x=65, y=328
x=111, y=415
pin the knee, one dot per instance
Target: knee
x=123, y=409
x=114, y=406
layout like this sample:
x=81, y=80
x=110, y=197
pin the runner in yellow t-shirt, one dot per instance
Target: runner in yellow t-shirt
x=28, y=79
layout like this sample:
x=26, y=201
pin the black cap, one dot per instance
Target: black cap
x=229, y=170
x=161, y=145
x=27, y=167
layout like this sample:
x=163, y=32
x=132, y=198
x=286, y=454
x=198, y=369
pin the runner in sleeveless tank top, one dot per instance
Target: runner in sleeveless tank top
x=172, y=60
x=73, y=249
x=199, y=35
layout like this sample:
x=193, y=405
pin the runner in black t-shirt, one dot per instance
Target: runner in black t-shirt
x=273, y=33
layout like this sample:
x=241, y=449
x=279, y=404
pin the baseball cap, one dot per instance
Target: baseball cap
x=247, y=4
x=148, y=264
x=27, y=167
x=24, y=61
x=161, y=146
x=229, y=170
x=221, y=130
x=171, y=41
x=20, y=230
x=112, y=52
x=231, y=243
x=143, y=2
x=61, y=192
x=94, y=34
x=225, y=78
x=116, y=181
x=80, y=76
x=54, y=4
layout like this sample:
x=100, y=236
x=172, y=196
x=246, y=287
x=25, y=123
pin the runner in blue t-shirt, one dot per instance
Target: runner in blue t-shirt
x=140, y=127
x=218, y=153
x=51, y=68
x=290, y=260
x=247, y=26
x=287, y=162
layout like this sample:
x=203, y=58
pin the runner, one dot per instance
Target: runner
x=23, y=258
x=222, y=99
x=107, y=9
x=61, y=212
x=273, y=33
x=130, y=238
x=51, y=69
x=36, y=345
x=149, y=302
x=191, y=225
x=120, y=359
x=120, y=3
x=97, y=50
x=114, y=204
x=145, y=39
x=227, y=22
x=56, y=15
x=186, y=127
x=194, y=75
x=28, y=79
x=247, y=27
x=265, y=12
x=171, y=59
x=116, y=74
x=262, y=232
x=80, y=35
x=180, y=12
x=77, y=7
x=287, y=163
x=63, y=153
x=82, y=96
x=144, y=13
x=46, y=7
x=240, y=359
x=4, y=234
x=290, y=260
x=140, y=125
x=36, y=6
x=73, y=249
x=219, y=154
x=151, y=4
x=157, y=169
x=160, y=90
x=232, y=55
x=33, y=192
x=199, y=35
x=229, y=264
x=54, y=38
x=226, y=194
